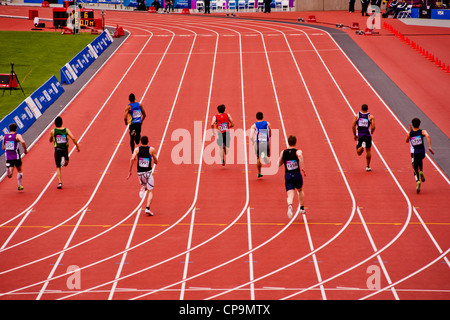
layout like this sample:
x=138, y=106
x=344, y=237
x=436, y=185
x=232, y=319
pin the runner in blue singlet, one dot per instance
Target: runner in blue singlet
x=260, y=136
x=134, y=116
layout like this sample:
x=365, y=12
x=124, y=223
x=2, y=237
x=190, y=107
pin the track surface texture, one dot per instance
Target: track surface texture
x=219, y=232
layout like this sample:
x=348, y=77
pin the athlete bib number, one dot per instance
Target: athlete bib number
x=262, y=137
x=223, y=127
x=136, y=114
x=144, y=162
x=61, y=139
x=292, y=165
x=416, y=141
x=9, y=145
x=363, y=123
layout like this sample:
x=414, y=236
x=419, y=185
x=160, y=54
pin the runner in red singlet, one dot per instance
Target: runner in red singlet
x=222, y=122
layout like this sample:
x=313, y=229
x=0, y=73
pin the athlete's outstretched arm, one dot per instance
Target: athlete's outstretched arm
x=425, y=133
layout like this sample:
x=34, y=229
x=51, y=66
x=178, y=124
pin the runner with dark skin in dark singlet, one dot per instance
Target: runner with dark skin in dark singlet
x=363, y=128
x=416, y=139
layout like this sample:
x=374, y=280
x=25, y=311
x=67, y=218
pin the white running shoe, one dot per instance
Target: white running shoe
x=290, y=213
x=147, y=211
x=142, y=192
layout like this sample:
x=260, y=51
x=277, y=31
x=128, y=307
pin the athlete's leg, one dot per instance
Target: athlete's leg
x=359, y=151
x=149, y=186
x=258, y=166
x=19, y=176
x=301, y=197
x=368, y=157
x=422, y=176
x=290, y=197
x=58, y=174
x=149, y=198
x=415, y=166
x=359, y=146
x=10, y=171
x=132, y=144
x=290, y=200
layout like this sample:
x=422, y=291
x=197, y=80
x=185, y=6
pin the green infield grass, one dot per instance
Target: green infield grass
x=36, y=56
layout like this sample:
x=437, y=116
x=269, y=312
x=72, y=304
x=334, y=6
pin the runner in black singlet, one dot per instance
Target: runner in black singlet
x=146, y=157
x=292, y=159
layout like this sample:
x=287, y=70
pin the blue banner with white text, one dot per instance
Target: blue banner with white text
x=31, y=108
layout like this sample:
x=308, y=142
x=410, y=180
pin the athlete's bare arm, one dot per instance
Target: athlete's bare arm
x=144, y=115
x=19, y=138
x=252, y=133
x=213, y=122
x=153, y=154
x=372, y=123
x=125, y=118
x=300, y=160
x=426, y=135
x=354, y=128
x=231, y=121
x=73, y=139
x=280, y=159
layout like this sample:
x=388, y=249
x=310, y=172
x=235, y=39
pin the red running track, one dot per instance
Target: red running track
x=219, y=232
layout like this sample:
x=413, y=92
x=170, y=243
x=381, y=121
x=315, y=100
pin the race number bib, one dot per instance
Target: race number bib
x=262, y=137
x=292, y=165
x=144, y=162
x=9, y=145
x=61, y=139
x=363, y=122
x=136, y=114
x=223, y=127
x=416, y=141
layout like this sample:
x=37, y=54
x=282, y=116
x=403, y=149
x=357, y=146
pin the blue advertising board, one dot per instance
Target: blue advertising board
x=31, y=108
x=75, y=67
